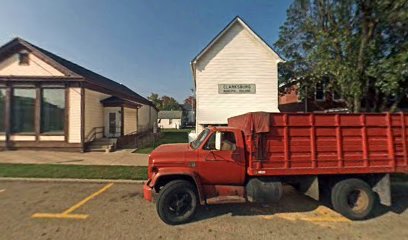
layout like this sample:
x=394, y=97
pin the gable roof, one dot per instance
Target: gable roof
x=236, y=20
x=170, y=114
x=71, y=69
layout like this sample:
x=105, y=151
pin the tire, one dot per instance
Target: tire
x=177, y=202
x=353, y=198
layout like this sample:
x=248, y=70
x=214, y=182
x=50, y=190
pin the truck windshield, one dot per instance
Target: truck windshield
x=201, y=137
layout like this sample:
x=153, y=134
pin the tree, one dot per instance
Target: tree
x=155, y=99
x=164, y=103
x=190, y=101
x=360, y=46
x=169, y=103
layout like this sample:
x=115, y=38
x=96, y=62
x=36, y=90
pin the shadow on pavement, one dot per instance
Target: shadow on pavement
x=293, y=201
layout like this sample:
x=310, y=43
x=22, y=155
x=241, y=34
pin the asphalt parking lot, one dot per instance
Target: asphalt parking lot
x=35, y=210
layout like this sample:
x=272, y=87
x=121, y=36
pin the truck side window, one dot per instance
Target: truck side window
x=228, y=142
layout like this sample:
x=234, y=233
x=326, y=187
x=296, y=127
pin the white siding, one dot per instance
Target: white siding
x=130, y=120
x=52, y=138
x=37, y=67
x=94, y=116
x=22, y=138
x=74, y=113
x=236, y=58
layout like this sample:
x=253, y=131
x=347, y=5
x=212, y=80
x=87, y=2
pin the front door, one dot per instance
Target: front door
x=113, y=124
x=223, y=164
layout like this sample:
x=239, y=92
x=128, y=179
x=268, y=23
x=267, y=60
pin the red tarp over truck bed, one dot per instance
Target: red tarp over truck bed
x=297, y=143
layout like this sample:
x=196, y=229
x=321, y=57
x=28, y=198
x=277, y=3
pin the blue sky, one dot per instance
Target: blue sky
x=146, y=45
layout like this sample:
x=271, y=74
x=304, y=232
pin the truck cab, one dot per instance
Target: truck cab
x=215, y=159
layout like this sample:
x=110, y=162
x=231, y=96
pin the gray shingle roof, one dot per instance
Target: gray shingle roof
x=170, y=114
x=79, y=70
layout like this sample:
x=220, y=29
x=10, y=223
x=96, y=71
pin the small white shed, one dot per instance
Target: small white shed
x=170, y=119
x=236, y=73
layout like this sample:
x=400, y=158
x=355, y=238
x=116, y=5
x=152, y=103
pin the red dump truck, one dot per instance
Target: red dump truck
x=349, y=156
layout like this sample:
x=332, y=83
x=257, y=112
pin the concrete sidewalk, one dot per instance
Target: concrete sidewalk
x=120, y=158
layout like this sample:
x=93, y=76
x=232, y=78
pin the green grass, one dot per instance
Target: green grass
x=168, y=136
x=73, y=171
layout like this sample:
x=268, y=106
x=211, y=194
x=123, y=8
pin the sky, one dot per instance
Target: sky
x=145, y=45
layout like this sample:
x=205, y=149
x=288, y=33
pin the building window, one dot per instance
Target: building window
x=2, y=106
x=23, y=110
x=337, y=96
x=23, y=58
x=170, y=121
x=53, y=110
x=320, y=92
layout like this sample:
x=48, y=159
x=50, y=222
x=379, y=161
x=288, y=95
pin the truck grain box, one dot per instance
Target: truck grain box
x=348, y=157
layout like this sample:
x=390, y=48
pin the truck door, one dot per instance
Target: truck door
x=222, y=159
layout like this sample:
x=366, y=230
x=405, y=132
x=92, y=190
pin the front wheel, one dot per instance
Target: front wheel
x=177, y=202
x=353, y=198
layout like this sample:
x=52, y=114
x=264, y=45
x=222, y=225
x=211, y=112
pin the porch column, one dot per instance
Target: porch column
x=7, y=116
x=82, y=117
x=122, y=120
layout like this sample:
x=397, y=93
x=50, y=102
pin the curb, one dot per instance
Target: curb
x=70, y=180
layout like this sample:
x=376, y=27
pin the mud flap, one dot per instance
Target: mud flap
x=309, y=186
x=382, y=186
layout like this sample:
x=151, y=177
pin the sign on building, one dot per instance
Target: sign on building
x=236, y=88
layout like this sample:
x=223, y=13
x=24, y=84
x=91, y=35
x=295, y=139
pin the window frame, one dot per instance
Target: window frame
x=40, y=109
x=3, y=128
x=340, y=99
x=222, y=134
x=323, y=84
x=12, y=96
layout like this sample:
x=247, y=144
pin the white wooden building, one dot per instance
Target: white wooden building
x=236, y=73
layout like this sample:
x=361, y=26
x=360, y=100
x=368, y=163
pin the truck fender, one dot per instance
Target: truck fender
x=183, y=171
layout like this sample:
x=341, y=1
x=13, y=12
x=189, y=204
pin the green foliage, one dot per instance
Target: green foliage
x=164, y=103
x=361, y=46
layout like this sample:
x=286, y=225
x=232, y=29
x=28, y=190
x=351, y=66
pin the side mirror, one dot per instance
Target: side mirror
x=218, y=141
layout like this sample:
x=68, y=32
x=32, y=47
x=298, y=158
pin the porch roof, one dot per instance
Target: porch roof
x=119, y=102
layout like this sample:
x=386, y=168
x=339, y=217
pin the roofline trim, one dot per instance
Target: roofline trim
x=237, y=19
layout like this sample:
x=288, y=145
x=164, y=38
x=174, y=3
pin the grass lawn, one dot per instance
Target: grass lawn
x=73, y=171
x=168, y=136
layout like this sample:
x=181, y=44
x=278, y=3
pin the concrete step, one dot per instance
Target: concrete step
x=107, y=141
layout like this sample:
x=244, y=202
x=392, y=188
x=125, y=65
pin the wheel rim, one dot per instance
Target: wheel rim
x=180, y=203
x=358, y=200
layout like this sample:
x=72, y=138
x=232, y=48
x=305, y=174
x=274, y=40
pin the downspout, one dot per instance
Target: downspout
x=192, y=66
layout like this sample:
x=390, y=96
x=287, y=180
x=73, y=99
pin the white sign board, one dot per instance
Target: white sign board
x=236, y=88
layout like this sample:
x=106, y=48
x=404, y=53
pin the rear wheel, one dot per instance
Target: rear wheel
x=353, y=198
x=177, y=202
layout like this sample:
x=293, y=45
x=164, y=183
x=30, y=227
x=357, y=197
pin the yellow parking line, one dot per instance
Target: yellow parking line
x=60, y=215
x=67, y=213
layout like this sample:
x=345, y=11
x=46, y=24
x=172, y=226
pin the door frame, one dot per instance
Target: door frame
x=118, y=120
